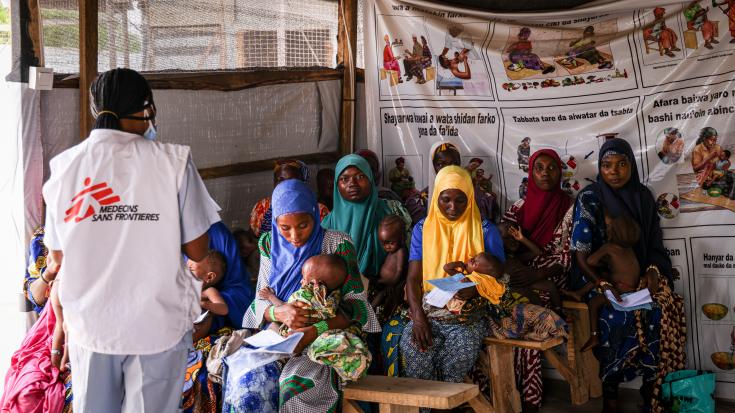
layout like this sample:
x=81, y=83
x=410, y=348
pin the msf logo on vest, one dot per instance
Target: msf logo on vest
x=83, y=202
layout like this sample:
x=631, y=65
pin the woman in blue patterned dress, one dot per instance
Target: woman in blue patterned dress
x=300, y=385
x=643, y=342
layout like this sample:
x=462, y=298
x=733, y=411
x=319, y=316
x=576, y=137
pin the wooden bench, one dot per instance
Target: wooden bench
x=406, y=395
x=506, y=398
x=580, y=369
x=587, y=366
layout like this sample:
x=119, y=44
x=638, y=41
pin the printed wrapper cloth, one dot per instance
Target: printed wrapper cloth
x=529, y=322
x=343, y=351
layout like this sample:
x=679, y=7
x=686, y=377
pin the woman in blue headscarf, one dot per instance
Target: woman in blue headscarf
x=301, y=384
x=236, y=291
x=644, y=342
x=261, y=214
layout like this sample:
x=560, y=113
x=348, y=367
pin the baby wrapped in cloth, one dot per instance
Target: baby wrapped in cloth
x=343, y=350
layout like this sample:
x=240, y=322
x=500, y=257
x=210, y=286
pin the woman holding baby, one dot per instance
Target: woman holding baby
x=453, y=231
x=300, y=384
x=646, y=342
x=545, y=218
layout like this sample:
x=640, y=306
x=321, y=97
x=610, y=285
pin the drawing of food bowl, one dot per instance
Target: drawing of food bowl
x=714, y=311
x=723, y=360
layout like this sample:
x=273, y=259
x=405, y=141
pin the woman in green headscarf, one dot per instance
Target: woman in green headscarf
x=358, y=211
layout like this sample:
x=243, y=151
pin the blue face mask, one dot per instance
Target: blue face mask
x=151, y=132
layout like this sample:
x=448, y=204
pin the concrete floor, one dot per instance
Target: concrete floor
x=556, y=400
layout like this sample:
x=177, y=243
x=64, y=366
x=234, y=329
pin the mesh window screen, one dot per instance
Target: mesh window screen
x=196, y=35
x=257, y=48
x=60, y=22
x=307, y=47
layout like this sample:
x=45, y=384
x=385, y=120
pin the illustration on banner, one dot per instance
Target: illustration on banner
x=442, y=60
x=658, y=36
x=725, y=360
x=711, y=182
x=400, y=177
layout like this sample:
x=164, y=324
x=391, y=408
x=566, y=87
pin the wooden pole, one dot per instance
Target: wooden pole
x=87, y=61
x=25, y=30
x=35, y=28
x=347, y=45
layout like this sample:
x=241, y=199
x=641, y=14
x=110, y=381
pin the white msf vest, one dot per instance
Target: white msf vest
x=112, y=208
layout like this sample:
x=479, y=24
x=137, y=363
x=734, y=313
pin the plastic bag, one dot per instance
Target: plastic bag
x=689, y=391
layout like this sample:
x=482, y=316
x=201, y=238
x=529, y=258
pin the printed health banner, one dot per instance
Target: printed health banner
x=659, y=77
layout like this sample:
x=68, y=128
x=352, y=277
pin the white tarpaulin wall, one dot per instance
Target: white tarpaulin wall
x=540, y=77
x=222, y=128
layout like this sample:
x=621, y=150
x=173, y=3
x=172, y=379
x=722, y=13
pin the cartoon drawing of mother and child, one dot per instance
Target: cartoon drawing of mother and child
x=461, y=49
x=414, y=61
x=711, y=164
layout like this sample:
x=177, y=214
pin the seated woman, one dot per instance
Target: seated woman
x=443, y=154
x=260, y=216
x=696, y=18
x=452, y=231
x=585, y=48
x=36, y=284
x=646, y=342
x=237, y=293
x=33, y=384
x=661, y=34
x=545, y=217
x=301, y=384
x=520, y=53
x=358, y=211
x=705, y=156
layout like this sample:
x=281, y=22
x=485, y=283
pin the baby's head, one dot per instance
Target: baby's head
x=510, y=244
x=327, y=269
x=443, y=61
x=485, y=263
x=391, y=233
x=210, y=270
x=725, y=155
x=246, y=242
x=622, y=231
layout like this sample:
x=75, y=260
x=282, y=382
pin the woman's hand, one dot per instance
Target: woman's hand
x=201, y=329
x=308, y=338
x=516, y=233
x=295, y=315
x=467, y=293
x=613, y=290
x=650, y=281
x=421, y=331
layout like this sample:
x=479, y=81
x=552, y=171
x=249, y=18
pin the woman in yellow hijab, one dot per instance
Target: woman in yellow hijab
x=452, y=231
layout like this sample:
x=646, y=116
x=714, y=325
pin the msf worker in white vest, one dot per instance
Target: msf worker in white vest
x=121, y=209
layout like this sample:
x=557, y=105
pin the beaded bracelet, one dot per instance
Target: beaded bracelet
x=653, y=267
x=272, y=313
x=321, y=327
